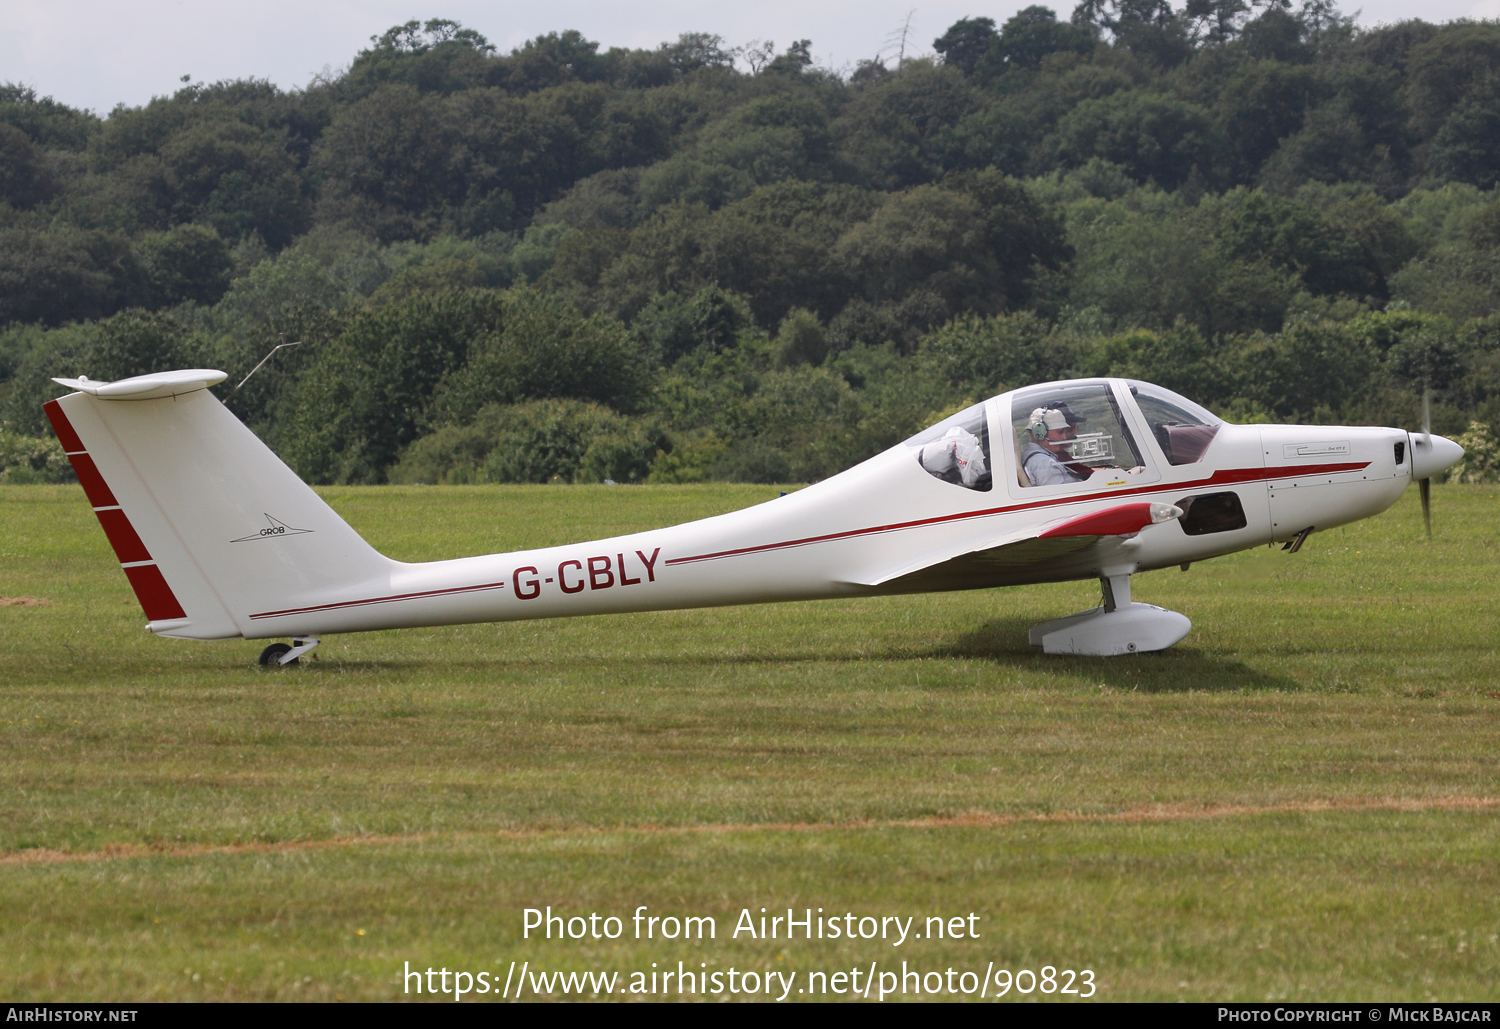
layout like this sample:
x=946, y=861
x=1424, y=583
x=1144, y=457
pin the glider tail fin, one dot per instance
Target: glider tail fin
x=208, y=524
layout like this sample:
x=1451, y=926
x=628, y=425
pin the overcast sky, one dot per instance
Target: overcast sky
x=99, y=53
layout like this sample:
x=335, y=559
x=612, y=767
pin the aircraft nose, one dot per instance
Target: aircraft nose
x=1433, y=454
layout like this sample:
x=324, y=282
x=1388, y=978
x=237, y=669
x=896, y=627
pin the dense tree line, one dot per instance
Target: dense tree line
x=575, y=264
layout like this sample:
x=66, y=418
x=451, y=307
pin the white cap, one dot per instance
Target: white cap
x=1051, y=417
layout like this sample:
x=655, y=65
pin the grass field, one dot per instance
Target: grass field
x=1300, y=801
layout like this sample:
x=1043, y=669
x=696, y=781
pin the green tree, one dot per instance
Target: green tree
x=46, y=122
x=1155, y=137
x=697, y=50
x=138, y=342
x=1259, y=105
x=544, y=348
x=965, y=42
x=538, y=441
x=431, y=359
x=1309, y=373
x=25, y=178
x=977, y=242
x=367, y=394
x=1355, y=135
x=1148, y=259
x=1178, y=358
x=550, y=60
x=30, y=459
x=1149, y=29
x=979, y=357
x=235, y=178
x=440, y=56
x=767, y=140
x=1466, y=147
x=1030, y=36
x=187, y=262
x=895, y=132
x=799, y=426
x=62, y=274
x=1448, y=68
x=1254, y=225
x=30, y=356
x=801, y=339
x=671, y=326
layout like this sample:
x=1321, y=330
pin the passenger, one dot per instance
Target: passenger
x=956, y=457
x=1046, y=459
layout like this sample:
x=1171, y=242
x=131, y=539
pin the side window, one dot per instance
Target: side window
x=1211, y=512
x=1068, y=434
x=957, y=450
x=1182, y=428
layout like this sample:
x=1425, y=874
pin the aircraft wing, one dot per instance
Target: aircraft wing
x=1057, y=550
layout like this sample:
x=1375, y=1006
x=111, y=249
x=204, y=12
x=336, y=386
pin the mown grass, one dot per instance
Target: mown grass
x=536, y=763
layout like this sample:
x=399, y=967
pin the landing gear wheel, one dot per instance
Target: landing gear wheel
x=270, y=658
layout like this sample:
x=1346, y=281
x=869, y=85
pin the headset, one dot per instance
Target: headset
x=1038, y=422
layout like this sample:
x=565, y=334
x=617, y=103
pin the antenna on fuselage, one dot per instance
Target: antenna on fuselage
x=263, y=360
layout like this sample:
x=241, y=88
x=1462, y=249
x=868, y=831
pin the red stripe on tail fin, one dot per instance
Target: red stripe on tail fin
x=122, y=536
x=64, y=428
x=91, y=481
x=156, y=597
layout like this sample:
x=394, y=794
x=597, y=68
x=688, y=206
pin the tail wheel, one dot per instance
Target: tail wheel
x=270, y=658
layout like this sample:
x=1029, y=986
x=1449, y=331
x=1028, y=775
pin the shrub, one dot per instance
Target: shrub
x=1481, y=461
x=31, y=459
x=542, y=441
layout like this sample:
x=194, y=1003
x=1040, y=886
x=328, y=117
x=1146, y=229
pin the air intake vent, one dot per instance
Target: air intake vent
x=1400, y=453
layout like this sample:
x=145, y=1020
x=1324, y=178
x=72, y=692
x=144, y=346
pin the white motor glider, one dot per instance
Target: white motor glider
x=1090, y=478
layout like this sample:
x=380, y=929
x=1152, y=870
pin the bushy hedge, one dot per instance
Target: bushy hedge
x=25, y=460
x=562, y=441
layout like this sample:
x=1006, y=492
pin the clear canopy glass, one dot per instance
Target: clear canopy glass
x=957, y=450
x=1065, y=433
x=1182, y=428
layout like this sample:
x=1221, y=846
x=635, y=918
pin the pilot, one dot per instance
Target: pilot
x=956, y=457
x=1046, y=458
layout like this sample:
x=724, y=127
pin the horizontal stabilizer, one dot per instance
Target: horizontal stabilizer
x=155, y=386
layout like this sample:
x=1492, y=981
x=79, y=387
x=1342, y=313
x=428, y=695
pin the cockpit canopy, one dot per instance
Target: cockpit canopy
x=1063, y=431
x=1182, y=428
x=957, y=449
x=1066, y=432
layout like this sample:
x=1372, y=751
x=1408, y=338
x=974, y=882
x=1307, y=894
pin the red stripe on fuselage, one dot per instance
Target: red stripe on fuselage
x=1220, y=478
x=381, y=600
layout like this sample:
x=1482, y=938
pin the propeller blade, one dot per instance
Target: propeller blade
x=1424, y=486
